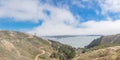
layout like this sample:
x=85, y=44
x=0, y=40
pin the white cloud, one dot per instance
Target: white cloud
x=61, y=21
x=54, y=23
x=19, y=9
x=102, y=27
x=110, y=6
x=91, y=27
x=58, y=22
x=78, y=3
x=23, y=10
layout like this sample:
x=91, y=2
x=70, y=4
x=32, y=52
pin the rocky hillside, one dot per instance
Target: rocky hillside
x=111, y=39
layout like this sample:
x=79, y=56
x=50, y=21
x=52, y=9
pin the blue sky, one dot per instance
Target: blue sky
x=61, y=17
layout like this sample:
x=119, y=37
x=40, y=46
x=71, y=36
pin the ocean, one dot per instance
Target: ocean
x=77, y=42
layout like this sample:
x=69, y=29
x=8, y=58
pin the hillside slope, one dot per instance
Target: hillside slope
x=21, y=46
x=111, y=39
x=110, y=53
x=103, y=48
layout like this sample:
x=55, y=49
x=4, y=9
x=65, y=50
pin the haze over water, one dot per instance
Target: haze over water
x=77, y=42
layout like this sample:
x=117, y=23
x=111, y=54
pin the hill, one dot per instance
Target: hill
x=22, y=46
x=109, y=40
x=103, y=48
x=110, y=53
x=67, y=36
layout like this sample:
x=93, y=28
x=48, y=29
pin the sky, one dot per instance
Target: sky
x=61, y=17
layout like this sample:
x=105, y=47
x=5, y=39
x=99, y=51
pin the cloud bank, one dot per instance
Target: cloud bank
x=60, y=20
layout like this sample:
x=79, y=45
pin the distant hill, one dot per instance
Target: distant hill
x=22, y=46
x=103, y=48
x=66, y=36
x=111, y=39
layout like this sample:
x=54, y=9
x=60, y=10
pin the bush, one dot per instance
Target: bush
x=54, y=55
x=67, y=51
x=63, y=52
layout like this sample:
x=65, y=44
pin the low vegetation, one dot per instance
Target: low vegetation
x=21, y=46
x=103, y=48
x=110, y=53
x=62, y=52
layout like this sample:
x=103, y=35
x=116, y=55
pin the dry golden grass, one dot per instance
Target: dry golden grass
x=21, y=46
x=110, y=53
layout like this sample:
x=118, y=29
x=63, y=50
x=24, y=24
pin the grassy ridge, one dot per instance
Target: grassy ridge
x=21, y=46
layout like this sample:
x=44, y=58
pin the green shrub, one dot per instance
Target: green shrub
x=54, y=55
x=64, y=52
x=67, y=51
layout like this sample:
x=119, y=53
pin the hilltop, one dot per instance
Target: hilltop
x=21, y=46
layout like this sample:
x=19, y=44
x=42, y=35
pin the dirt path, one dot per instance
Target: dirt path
x=37, y=56
x=47, y=40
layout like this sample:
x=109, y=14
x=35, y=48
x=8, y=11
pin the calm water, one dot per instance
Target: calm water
x=77, y=42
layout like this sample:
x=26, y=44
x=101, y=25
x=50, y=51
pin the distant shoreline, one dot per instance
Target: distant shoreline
x=67, y=36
